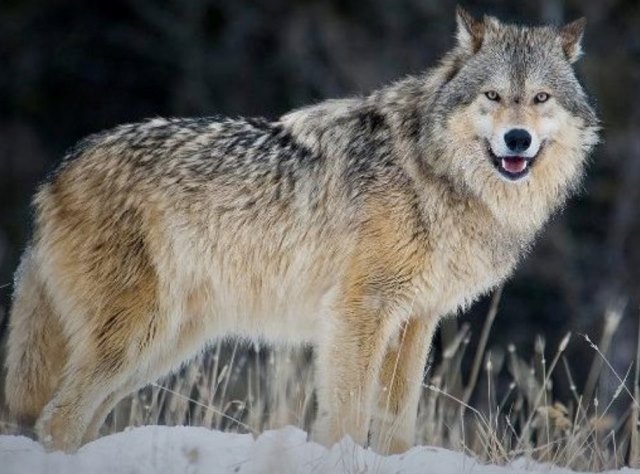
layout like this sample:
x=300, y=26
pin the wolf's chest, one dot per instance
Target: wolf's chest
x=464, y=267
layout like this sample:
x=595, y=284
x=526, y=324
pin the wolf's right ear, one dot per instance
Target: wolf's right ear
x=571, y=38
x=470, y=32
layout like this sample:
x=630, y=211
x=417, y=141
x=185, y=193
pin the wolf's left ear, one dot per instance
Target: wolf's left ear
x=571, y=38
x=470, y=31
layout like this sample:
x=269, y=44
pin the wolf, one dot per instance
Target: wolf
x=352, y=225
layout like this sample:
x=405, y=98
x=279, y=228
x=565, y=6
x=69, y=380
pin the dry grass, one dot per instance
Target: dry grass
x=582, y=434
x=245, y=388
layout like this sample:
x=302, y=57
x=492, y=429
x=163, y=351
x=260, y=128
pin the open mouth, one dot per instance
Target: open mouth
x=511, y=167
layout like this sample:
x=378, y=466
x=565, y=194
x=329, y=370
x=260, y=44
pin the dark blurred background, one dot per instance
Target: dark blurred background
x=70, y=68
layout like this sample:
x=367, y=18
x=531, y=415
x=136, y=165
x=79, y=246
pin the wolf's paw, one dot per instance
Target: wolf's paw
x=56, y=433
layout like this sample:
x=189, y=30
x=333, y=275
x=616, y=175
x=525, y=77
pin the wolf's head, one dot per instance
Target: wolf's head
x=509, y=119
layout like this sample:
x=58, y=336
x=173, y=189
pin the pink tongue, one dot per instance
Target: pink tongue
x=514, y=165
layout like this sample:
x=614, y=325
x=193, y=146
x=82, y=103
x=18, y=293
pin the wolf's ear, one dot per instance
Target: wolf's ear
x=470, y=31
x=571, y=39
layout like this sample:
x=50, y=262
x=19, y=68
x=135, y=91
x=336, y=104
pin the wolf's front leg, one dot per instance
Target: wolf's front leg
x=377, y=295
x=393, y=428
x=348, y=363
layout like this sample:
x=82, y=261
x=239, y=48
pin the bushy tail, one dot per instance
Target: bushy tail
x=36, y=348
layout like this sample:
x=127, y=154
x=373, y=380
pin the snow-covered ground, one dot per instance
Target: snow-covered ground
x=161, y=449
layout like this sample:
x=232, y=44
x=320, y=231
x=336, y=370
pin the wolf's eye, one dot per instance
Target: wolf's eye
x=541, y=97
x=492, y=95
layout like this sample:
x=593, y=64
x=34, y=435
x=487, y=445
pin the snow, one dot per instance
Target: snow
x=192, y=450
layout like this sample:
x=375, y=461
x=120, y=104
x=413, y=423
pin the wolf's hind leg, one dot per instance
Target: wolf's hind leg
x=105, y=407
x=36, y=347
x=135, y=382
x=100, y=363
x=64, y=420
x=393, y=426
x=88, y=392
x=159, y=362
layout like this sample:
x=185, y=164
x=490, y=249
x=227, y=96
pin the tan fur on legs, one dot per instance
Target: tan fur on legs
x=88, y=380
x=159, y=363
x=88, y=391
x=36, y=349
x=64, y=419
x=393, y=426
x=158, y=368
x=108, y=404
x=100, y=415
x=93, y=428
x=375, y=301
x=347, y=384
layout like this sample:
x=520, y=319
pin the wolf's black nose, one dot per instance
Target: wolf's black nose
x=517, y=140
